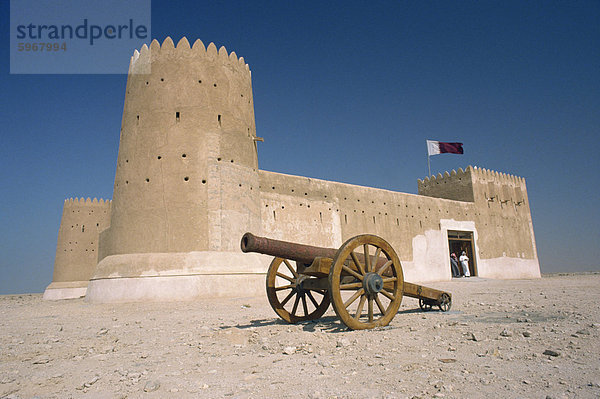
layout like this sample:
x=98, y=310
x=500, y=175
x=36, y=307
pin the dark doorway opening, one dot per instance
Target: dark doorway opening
x=459, y=241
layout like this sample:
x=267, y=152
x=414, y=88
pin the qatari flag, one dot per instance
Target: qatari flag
x=438, y=147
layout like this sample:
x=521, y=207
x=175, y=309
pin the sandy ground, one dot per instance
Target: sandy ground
x=491, y=344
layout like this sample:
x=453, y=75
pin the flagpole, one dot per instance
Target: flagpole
x=428, y=156
x=428, y=165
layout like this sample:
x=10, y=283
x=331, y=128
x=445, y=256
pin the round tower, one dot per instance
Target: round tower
x=77, y=247
x=186, y=185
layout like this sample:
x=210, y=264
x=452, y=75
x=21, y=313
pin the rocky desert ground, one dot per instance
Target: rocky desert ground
x=501, y=339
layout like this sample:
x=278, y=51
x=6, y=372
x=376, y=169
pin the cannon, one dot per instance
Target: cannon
x=363, y=280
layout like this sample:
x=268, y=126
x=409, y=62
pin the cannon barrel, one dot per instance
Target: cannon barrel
x=284, y=249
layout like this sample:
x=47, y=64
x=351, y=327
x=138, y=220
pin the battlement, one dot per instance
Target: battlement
x=87, y=202
x=141, y=60
x=456, y=185
x=486, y=175
x=460, y=185
x=440, y=178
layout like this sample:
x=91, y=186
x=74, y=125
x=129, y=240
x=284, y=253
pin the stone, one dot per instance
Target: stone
x=342, y=343
x=506, y=333
x=527, y=334
x=550, y=352
x=151, y=386
x=91, y=382
x=289, y=350
x=42, y=360
x=471, y=336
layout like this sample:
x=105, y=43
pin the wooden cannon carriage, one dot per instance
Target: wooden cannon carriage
x=365, y=270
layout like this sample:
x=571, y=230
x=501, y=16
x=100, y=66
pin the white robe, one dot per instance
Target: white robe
x=464, y=262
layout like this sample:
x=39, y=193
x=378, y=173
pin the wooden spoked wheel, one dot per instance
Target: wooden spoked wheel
x=366, y=282
x=445, y=302
x=287, y=296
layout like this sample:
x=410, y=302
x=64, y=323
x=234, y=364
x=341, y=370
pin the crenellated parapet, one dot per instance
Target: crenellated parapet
x=141, y=60
x=434, y=180
x=475, y=184
x=87, y=202
x=486, y=175
x=455, y=185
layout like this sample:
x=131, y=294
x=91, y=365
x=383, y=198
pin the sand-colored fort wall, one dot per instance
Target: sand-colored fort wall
x=325, y=213
x=77, y=246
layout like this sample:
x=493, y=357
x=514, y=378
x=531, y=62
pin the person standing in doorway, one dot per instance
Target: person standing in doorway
x=454, y=265
x=464, y=262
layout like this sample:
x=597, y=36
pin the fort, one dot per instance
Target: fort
x=188, y=186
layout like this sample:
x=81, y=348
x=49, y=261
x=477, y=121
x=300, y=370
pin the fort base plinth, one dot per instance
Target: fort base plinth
x=177, y=277
x=65, y=290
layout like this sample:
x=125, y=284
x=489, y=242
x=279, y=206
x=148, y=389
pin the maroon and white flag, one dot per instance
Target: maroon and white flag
x=438, y=147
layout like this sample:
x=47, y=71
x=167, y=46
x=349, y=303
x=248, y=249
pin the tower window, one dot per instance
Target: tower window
x=177, y=116
x=219, y=120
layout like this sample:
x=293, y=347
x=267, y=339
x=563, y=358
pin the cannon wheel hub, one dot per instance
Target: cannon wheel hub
x=300, y=290
x=372, y=283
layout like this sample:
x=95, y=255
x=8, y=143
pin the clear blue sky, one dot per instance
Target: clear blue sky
x=349, y=92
